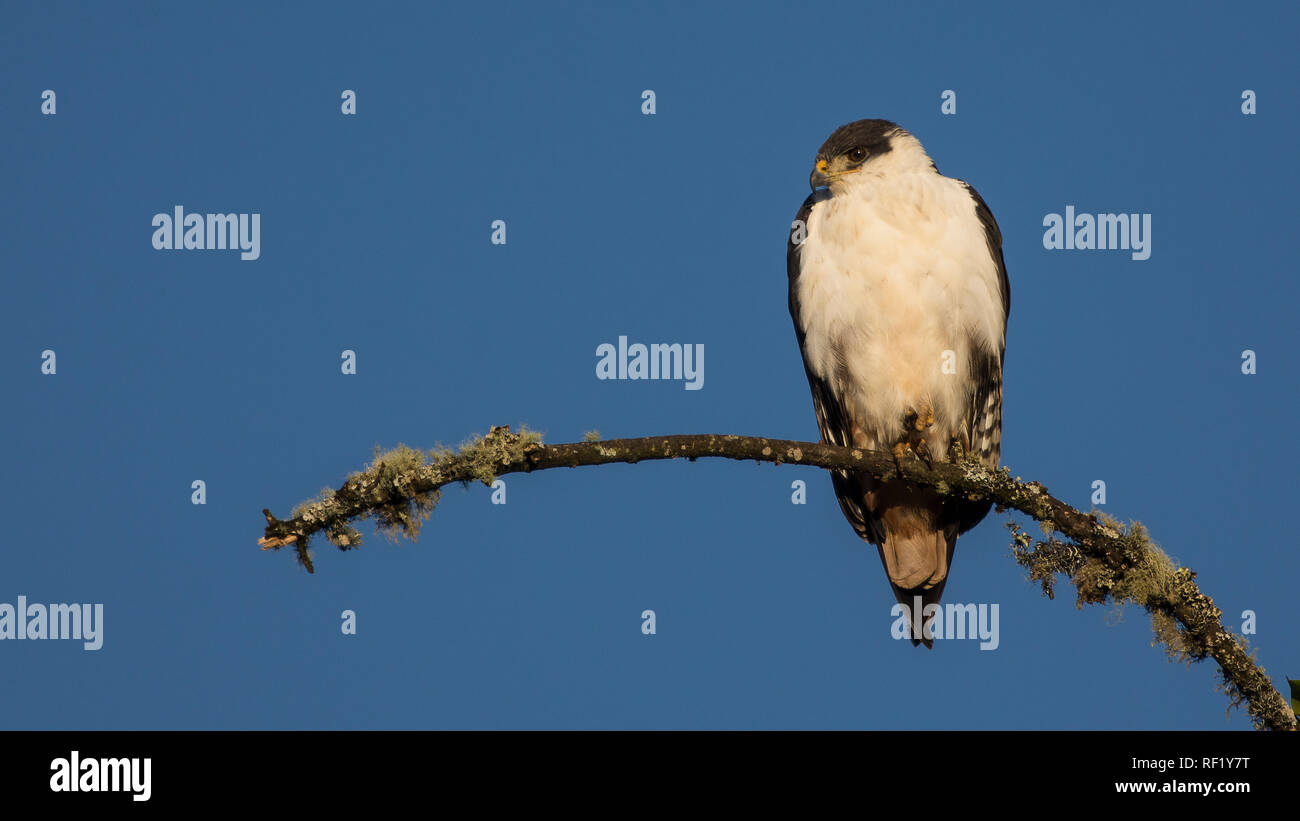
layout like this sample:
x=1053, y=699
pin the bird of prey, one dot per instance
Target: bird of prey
x=900, y=300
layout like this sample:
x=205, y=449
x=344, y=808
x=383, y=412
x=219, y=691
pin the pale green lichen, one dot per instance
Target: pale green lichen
x=400, y=487
x=1134, y=571
x=303, y=509
x=1124, y=566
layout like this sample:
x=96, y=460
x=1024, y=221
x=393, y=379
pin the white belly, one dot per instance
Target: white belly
x=896, y=288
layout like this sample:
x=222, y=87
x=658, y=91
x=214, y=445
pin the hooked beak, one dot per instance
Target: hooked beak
x=820, y=175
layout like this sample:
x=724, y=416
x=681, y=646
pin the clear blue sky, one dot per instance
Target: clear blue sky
x=175, y=366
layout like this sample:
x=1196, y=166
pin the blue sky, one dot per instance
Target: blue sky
x=174, y=366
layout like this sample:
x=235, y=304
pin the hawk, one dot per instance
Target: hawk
x=900, y=299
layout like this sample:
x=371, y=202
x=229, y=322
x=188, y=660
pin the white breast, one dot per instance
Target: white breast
x=896, y=275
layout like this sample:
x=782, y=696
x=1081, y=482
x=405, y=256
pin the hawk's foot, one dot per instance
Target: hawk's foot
x=900, y=451
x=914, y=437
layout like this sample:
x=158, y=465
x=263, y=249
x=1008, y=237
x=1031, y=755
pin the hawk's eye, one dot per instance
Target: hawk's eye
x=857, y=154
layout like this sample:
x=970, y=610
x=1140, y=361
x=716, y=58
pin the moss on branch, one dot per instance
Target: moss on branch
x=1105, y=560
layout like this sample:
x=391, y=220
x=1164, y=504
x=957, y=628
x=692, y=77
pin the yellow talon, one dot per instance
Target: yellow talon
x=922, y=451
x=919, y=422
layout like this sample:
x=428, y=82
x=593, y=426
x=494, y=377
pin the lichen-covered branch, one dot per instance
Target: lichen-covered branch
x=1103, y=559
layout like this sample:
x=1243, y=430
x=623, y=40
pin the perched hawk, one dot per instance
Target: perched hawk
x=900, y=300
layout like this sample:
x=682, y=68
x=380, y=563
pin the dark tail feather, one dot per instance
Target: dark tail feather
x=929, y=596
x=907, y=598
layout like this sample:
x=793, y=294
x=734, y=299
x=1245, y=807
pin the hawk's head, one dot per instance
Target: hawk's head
x=864, y=149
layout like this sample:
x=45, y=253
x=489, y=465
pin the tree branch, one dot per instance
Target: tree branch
x=1103, y=559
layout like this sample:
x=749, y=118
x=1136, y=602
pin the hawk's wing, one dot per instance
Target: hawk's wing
x=832, y=418
x=982, y=426
x=983, y=423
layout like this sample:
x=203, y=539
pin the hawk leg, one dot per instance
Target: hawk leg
x=914, y=438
